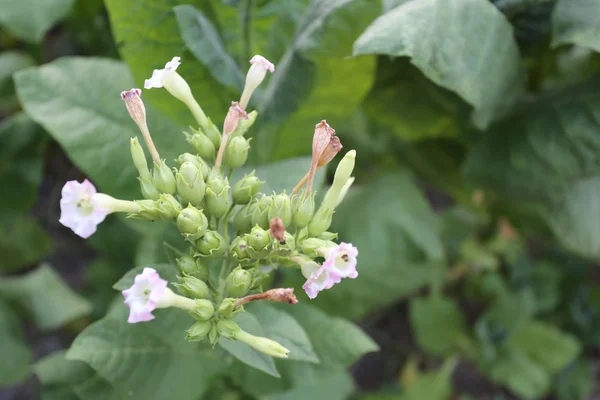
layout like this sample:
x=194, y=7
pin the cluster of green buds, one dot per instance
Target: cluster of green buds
x=236, y=234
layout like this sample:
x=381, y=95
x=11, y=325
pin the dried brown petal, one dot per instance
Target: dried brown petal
x=277, y=229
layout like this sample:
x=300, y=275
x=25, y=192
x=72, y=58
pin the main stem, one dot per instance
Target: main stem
x=246, y=32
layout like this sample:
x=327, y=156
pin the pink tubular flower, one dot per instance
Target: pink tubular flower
x=143, y=296
x=256, y=74
x=320, y=279
x=263, y=62
x=340, y=261
x=79, y=210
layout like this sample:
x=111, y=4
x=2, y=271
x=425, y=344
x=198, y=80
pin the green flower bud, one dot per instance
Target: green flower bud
x=139, y=158
x=213, y=335
x=212, y=132
x=211, y=245
x=149, y=191
x=168, y=207
x=245, y=124
x=281, y=206
x=227, y=328
x=328, y=236
x=262, y=344
x=242, y=221
x=236, y=152
x=190, y=183
x=204, y=310
x=163, y=178
x=342, y=174
x=260, y=215
x=238, y=282
x=246, y=188
x=192, y=223
x=239, y=250
x=287, y=247
x=217, y=194
x=259, y=242
x=258, y=276
x=304, y=209
x=311, y=246
x=192, y=287
x=198, y=331
x=227, y=310
x=320, y=222
x=188, y=265
x=197, y=161
x=202, y=144
x=148, y=211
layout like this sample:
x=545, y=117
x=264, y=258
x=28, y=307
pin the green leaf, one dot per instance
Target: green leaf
x=49, y=301
x=521, y=375
x=16, y=355
x=66, y=379
x=22, y=242
x=399, y=248
x=438, y=325
x=454, y=49
x=536, y=338
x=32, y=18
x=284, y=329
x=335, y=387
x=11, y=62
x=77, y=101
x=203, y=40
x=576, y=22
x=247, y=354
x=433, y=385
x=577, y=383
x=137, y=359
x=149, y=37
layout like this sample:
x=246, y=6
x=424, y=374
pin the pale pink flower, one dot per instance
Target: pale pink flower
x=144, y=295
x=340, y=261
x=320, y=279
x=256, y=74
x=80, y=209
x=263, y=62
x=156, y=81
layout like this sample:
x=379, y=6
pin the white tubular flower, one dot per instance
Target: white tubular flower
x=256, y=74
x=158, y=76
x=341, y=261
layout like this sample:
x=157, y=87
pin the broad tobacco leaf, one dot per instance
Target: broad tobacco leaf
x=32, y=18
x=576, y=22
x=22, y=242
x=454, y=49
x=16, y=355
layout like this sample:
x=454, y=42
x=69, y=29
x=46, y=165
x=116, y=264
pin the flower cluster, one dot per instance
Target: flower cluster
x=220, y=273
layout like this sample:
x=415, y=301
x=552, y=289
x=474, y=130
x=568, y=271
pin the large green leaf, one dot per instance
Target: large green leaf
x=22, y=242
x=137, y=359
x=521, y=375
x=338, y=386
x=399, y=249
x=576, y=22
x=77, y=101
x=30, y=19
x=16, y=355
x=49, y=301
x=433, y=385
x=148, y=36
x=456, y=44
x=11, y=62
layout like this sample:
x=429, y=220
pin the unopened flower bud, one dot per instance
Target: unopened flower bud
x=281, y=206
x=148, y=211
x=238, y=282
x=329, y=236
x=320, y=222
x=304, y=209
x=344, y=191
x=260, y=215
x=255, y=76
x=287, y=246
x=211, y=245
x=227, y=328
x=246, y=188
x=149, y=191
x=311, y=246
x=217, y=194
x=236, y=152
x=234, y=115
x=245, y=124
x=139, y=158
x=239, y=250
x=228, y=308
x=213, y=335
x=242, y=221
x=197, y=161
x=188, y=265
x=198, y=331
x=264, y=345
x=193, y=287
x=192, y=223
x=190, y=183
x=168, y=207
x=259, y=243
x=204, y=309
x=342, y=175
x=203, y=145
x=163, y=178
x=212, y=132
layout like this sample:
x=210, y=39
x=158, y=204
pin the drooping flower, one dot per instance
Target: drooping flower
x=320, y=279
x=79, y=208
x=144, y=295
x=256, y=74
x=340, y=261
x=156, y=81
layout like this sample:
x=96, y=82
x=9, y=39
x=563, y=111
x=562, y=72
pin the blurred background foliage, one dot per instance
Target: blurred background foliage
x=476, y=207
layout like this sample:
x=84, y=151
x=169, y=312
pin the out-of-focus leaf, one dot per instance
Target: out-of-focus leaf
x=202, y=39
x=521, y=375
x=576, y=22
x=49, y=301
x=126, y=355
x=30, y=19
x=11, y=62
x=438, y=324
x=285, y=330
x=77, y=101
x=454, y=49
x=22, y=242
x=67, y=379
x=16, y=355
x=577, y=383
x=433, y=385
x=147, y=35
x=399, y=249
x=247, y=354
x=335, y=387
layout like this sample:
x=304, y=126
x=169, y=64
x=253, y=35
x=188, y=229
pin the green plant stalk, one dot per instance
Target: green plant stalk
x=246, y=31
